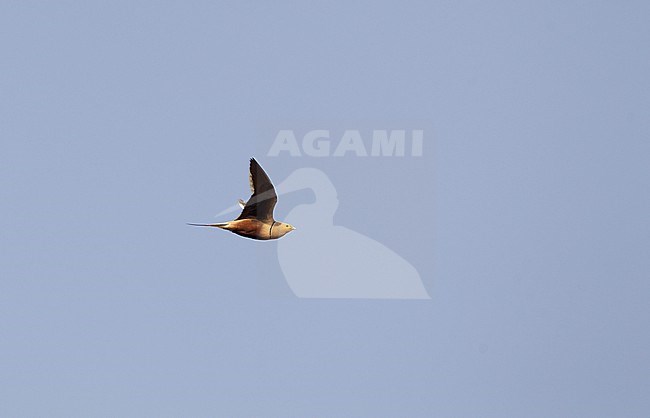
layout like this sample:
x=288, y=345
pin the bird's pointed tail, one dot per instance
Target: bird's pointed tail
x=219, y=225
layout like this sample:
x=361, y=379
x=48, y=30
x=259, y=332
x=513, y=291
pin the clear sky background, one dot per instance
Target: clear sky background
x=527, y=216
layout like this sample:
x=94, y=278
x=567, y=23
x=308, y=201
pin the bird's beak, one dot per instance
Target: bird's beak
x=293, y=227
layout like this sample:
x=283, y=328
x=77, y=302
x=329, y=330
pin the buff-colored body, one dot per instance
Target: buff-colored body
x=255, y=229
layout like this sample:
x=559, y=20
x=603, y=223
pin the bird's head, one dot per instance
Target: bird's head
x=281, y=229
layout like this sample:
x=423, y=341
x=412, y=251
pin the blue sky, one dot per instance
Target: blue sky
x=526, y=216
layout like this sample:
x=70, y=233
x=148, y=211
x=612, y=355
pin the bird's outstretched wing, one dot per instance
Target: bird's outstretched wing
x=262, y=202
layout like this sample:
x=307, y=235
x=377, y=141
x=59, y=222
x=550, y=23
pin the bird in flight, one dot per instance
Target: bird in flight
x=256, y=219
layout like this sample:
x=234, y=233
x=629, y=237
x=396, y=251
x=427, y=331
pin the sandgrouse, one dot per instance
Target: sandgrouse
x=256, y=219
